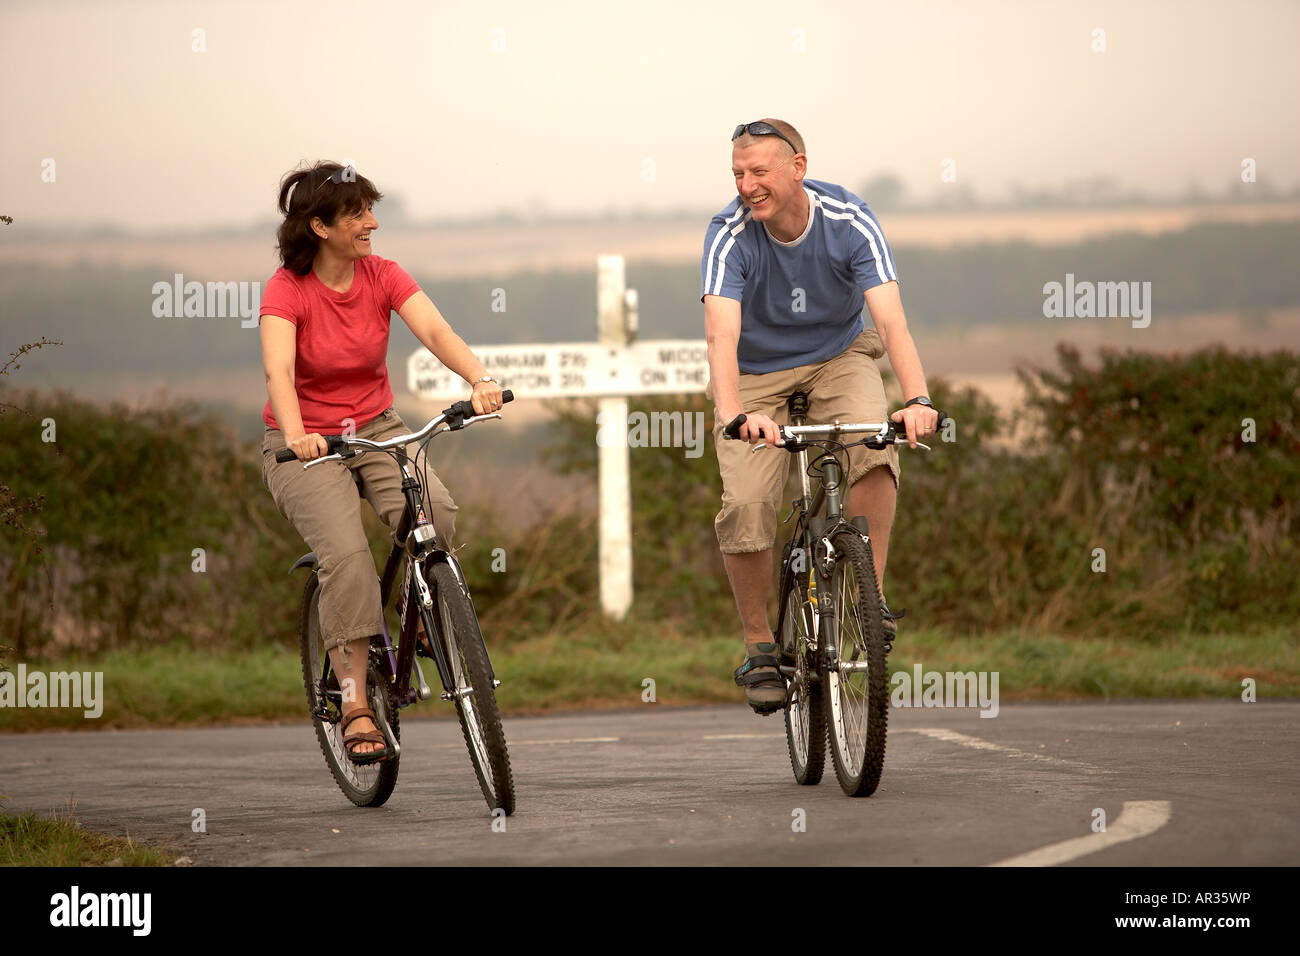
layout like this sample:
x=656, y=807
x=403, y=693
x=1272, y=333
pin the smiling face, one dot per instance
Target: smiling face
x=769, y=177
x=349, y=237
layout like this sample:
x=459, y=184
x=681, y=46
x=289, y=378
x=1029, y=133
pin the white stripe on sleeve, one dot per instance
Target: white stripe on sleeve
x=861, y=220
x=708, y=274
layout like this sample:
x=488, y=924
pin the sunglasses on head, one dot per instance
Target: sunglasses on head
x=339, y=176
x=761, y=129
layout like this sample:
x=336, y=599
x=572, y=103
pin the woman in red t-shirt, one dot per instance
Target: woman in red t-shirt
x=324, y=322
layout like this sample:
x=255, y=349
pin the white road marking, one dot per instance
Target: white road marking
x=512, y=744
x=565, y=740
x=952, y=737
x=1137, y=818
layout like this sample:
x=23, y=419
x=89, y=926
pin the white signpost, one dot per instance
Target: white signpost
x=610, y=369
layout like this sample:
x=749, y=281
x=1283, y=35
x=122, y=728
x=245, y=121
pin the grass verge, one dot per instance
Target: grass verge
x=609, y=665
x=30, y=840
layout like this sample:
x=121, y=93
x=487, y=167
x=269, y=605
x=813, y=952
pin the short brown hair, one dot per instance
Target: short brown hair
x=787, y=130
x=307, y=193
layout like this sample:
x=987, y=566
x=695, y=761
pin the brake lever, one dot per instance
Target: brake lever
x=761, y=445
x=337, y=456
x=901, y=440
x=466, y=422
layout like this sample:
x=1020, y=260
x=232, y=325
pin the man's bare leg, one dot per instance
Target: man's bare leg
x=750, y=575
x=875, y=496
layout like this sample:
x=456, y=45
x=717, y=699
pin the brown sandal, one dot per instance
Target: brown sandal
x=370, y=737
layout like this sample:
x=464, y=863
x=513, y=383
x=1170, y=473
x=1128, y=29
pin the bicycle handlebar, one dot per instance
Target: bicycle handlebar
x=456, y=415
x=895, y=433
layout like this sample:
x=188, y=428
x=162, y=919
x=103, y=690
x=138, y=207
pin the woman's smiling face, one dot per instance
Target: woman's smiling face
x=349, y=237
x=354, y=233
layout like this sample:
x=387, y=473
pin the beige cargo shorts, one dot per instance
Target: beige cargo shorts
x=847, y=387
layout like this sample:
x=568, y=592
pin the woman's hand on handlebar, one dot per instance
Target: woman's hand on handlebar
x=486, y=398
x=309, y=446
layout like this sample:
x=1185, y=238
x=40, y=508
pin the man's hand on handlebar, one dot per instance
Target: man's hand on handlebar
x=919, y=420
x=757, y=428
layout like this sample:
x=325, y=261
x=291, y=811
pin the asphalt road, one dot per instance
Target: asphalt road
x=1181, y=783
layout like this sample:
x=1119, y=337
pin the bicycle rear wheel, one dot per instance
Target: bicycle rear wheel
x=368, y=785
x=857, y=687
x=805, y=719
x=475, y=694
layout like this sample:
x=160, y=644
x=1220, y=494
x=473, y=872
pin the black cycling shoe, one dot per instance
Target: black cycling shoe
x=765, y=689
x=887, y=618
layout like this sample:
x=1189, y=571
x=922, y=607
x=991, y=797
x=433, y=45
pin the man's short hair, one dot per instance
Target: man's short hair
x=788, y=131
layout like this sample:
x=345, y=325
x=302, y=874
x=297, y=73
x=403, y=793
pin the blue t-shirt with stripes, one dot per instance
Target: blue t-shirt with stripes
x=800, y=301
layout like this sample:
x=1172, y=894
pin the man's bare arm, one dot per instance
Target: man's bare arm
x=722, y=332
x=886, y=309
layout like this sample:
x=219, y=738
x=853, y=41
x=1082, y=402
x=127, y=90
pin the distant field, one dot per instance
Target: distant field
x=490, y=249
x=975, y=311
x=984, y=356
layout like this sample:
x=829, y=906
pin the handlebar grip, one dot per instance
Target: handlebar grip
x=732, y=428
x=465, y=409
x=900, y=428
x=333, y=443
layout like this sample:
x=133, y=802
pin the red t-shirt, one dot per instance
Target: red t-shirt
x=340, y=367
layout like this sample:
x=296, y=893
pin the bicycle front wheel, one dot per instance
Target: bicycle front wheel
x=857, y=687
x=367, y=785
x=473, y=690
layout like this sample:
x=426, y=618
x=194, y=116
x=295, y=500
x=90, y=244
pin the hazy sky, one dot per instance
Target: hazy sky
x=467, y=108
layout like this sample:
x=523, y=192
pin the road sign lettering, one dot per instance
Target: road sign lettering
x=573, y=370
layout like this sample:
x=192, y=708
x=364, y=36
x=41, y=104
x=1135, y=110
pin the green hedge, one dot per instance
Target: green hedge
x=1140, y=455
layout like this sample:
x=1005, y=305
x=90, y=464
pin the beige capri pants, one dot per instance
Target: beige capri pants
x=847, y=387
x=323, y=506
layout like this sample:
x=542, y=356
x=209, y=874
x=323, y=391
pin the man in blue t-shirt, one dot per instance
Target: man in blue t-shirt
x=787, y=268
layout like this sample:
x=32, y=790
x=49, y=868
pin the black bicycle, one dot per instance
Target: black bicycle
x=434, y=592
x=830, y=630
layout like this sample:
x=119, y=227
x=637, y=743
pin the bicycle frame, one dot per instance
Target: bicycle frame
x=813, y=531
x=416, y=540
x=421, y=550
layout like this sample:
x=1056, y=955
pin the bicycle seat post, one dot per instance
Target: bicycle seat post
x=797, y=405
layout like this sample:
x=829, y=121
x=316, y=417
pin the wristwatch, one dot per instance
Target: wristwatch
x=485, y=378
x=919, y=400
